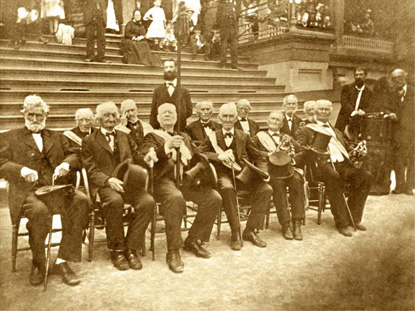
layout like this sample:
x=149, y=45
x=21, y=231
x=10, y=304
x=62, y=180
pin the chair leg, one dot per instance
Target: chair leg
x=91, y=236
x=267, y=217
x=153, y=233
x=143, y=247
x=320, y=203
x=15, y=232
x=45, y=282
x=219, y=223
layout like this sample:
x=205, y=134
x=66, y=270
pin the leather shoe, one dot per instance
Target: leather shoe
x=235, y=67
x=297, y=230
x=360, y=227
x=68, y=276
x=174, y=261
x=236, y=243
x=119, y=260
x=133, y=260
x=254, y=238
x=287, y=233
x=345, y=231
x=409, y=192
x=196, y=248
x=397, y=191
x=37, y=275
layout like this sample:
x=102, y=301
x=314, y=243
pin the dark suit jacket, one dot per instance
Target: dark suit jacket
x=88, y=7
x=99, y=160
x=162, y=96
x=197, y=132
x=348, y=102
x=227, y=16
x=137, y=133
x=253, y=127
x=73, y=145
x=296, y=121
x=18, y=149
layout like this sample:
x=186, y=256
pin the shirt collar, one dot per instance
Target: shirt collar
x=405, y=88
x=288, y=117
x=322, y=123
x=272, y=132
x=174, y=83
x=361, y=89
x=104, y=131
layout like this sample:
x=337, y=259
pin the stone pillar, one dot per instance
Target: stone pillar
x=128, y=6
x=293, y=16
x=338, y=6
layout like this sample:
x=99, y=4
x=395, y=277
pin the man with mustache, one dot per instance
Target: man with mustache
x=31, y=157
x=167, y=92
x=356, y=99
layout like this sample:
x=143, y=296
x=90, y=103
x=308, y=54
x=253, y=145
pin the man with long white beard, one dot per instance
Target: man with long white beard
x=31, y=157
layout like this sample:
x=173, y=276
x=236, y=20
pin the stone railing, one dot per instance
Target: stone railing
x=367, y=44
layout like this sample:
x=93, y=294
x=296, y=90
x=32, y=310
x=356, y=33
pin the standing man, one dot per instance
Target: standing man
x=334, y=168
x=291, y=121
x=30, y=157
x=102, y=152
x=227, y=147
x=402, y=107
x=95, y=21
x=249, y=126
x=227, y=19
x=84, y=119
x=355, y=100
x=198, y=130
x=166, y=142
x=131, y=124
x=167, y=92
x=271, y=141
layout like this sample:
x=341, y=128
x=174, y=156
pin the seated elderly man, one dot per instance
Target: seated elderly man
x=166, y=144
x=277, y=144
x=249, y=126
x=131, y=124
x=229, y=147
x=84, y=118
x=31, y=157
x=199, y=129
x=309, y=110
x=102, y=152
x=335, y=168
x=291, y=121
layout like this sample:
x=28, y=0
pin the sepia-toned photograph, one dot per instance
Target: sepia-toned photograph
x=207, y=155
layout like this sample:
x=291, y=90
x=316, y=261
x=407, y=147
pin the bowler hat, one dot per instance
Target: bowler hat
x=250, y=173
x=133, y=176
x=280, y=165
x=320, y=143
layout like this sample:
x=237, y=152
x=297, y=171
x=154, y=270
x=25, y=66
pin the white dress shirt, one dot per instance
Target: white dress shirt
x=335, y=153
x=275, y=138
x=245, y=125
x=38, y=140
x=110, y=139
x=171, y=88
x=359, y=96
x=228, y=140
x=290, y=121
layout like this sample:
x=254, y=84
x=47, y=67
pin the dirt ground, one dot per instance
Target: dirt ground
x=373, y=270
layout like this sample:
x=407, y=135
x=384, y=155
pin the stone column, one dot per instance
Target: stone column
x=338, y=11
x=128, y=6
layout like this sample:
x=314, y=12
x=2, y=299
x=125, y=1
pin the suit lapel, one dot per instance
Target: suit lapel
x=122, y=142
x=238, y=144
x=221, y=140
x=200, y=130
x=103, y=142
x=29, y=140
x=47, y=141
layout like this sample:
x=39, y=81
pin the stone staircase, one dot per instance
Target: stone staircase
x=58, y=74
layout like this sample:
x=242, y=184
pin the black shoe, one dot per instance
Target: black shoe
x=119, y=260
x=345, y=231
x=236, y=243
x=43, y=40
x=101, y=60
x=174, y=261
x=236, y=67
x=68, y=276
x=287, y=233
x=133, y=260
x=196, y=248
x=409, y=192
x=254, y=238
x=37, y=275
x=397, y=191
x=297, y=230
x=360, y=227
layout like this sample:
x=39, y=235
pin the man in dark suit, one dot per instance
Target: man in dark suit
x=168, y=93
x=84, y=118
x=102, y=152
x=199, y=129
x=355, y=99
x=131, y=124
x=95, y=21
x=291, y=121
x=270, y=141
x=229, y=147
x=227, y=20
x=166, y=142
x=402, y=107
x=30, y=157
x=249, y=126
x=334, y=168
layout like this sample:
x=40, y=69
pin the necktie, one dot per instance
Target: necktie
x=109, y=134
x=206, y=124
x=275, y=134
x=326, y=125
x=229, y=134
x=243, y=119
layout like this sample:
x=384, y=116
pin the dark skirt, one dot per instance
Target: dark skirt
x=138, y=52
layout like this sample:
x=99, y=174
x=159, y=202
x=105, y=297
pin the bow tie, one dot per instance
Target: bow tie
x=276, y=134
x=243, y=120
x=229, y=134
x=108, y=134
x=170, y=84
x=134, y=124
x=206, y=124
x=326, y=125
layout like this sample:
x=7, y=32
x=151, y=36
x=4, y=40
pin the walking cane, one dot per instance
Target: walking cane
x=154, y=219
x=237, y=203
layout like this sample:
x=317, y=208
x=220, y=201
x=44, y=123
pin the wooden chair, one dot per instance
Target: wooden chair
x=317, y=196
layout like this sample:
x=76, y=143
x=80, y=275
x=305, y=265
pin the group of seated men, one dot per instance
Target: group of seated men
x=244, y=158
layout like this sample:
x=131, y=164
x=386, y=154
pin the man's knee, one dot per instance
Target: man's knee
x=114, y=201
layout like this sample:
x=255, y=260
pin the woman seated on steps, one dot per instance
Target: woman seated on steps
x=134, y=45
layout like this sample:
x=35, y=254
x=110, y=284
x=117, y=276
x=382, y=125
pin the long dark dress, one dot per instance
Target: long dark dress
x=138, y=52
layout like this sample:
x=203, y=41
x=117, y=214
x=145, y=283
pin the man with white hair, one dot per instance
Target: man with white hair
x=226, y=148
x=166, y=143
x=32, y=157
x=335, y=168
x=309, y=110
x=102, y=152
x=402, y=109
x=249, y=126
x=84, y=118
x=199, y=129
x=291, y=121
x=131, y=124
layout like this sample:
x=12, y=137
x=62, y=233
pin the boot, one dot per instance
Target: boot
x=287, y=232
x=297, y=230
